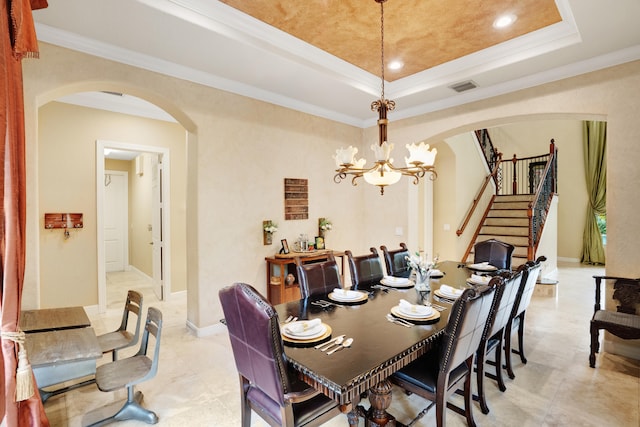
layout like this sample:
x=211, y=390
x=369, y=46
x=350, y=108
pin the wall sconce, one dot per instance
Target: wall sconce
x=268, y=228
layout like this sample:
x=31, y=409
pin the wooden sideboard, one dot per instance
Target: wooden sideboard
x=281, y=265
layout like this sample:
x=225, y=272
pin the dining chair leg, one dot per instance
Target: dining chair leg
x=482, y=400
x=521, y=338
x=507, y=352
x=468, y=396
x=595, y=345
x=498, y=354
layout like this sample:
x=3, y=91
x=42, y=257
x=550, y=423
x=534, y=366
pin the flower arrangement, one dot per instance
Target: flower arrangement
x=270, y=227
x=420, y=266
x=325, y=224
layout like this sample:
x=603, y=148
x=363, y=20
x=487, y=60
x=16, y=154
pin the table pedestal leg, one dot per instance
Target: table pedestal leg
x=380, y=398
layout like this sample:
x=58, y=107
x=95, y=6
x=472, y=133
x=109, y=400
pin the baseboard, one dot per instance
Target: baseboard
x=623, y=348
x=207, y=331
x=564, y=259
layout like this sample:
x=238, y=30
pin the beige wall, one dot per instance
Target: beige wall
x=227, y=202
x=66, y=173
x=140, y=218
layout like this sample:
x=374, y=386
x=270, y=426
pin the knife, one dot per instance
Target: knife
x=330, y=342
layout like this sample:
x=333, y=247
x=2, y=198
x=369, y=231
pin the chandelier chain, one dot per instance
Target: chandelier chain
x=382, y=47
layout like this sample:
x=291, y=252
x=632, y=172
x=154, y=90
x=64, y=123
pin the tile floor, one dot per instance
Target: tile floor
x=197, y=384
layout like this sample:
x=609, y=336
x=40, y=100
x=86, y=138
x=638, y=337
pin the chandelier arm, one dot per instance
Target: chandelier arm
x=383, y=165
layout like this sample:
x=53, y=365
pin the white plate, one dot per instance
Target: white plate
x=483, y=280
x=428, y=311
x=436, y=273
x=308, y=334
x=482, y=267
x=395, y=281
x=346, y=296
x=446, y=295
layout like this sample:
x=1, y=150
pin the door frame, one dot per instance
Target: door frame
x=166, y=218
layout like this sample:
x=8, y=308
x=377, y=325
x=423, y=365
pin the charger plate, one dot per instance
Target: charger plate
x=482, y=267
x=294, y=342
x=362, y=298
x=396, y=282
x=433, y=318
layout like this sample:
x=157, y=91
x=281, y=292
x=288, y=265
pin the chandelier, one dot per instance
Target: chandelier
x=383, y=172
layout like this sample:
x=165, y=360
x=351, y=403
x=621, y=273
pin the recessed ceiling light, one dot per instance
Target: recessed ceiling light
x=395, y=65
x=504, y=21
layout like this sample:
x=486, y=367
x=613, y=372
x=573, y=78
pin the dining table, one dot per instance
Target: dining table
x=381, y=345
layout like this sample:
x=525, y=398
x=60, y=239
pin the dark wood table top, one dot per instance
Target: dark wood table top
x=379, y=348
x=51, y=319
x=63, y=346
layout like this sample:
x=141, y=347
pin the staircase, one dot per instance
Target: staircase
x=524, y=189
x=507, y=220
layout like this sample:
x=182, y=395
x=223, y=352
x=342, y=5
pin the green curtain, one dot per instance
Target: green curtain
x=595, y=165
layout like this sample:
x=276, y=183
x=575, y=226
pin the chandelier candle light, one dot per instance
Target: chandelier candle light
x=383, y=173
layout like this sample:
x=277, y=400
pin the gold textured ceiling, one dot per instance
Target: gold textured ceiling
x=420, y=33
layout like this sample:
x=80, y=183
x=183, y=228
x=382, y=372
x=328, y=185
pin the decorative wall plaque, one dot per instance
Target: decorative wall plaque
x=296, y=198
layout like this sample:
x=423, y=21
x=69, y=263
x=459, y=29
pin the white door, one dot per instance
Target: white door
x=115, y=219
x=156, y=226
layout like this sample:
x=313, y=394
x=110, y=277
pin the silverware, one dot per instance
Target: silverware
x=345, y=344
x=289, y=319
x=435, y=306
x=330, y=342
x=338, y=341
x=324, y=304
x=398, y=321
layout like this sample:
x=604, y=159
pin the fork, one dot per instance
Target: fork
x=325, y=303
x=398, y=321
x=434, y=306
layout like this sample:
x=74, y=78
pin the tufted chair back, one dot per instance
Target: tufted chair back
x=255, y=340
x=267, y=384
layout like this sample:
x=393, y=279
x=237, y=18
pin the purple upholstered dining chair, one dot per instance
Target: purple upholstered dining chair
x=267, y=385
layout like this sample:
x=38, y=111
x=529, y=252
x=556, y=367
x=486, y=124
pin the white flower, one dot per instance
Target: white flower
x=418, y=264
x=325, y=225
x=271, y=228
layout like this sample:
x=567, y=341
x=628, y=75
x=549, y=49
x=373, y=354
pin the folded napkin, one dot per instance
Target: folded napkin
x=475, y=278
x=419, y=310
x=393, y=279
x=345, y=293
x=448, y=290
x=295, y=328
x=435, y=272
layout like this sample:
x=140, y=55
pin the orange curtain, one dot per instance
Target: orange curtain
x=18, y=41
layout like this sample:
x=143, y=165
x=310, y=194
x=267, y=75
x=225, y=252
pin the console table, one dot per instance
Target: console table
x=281, y=265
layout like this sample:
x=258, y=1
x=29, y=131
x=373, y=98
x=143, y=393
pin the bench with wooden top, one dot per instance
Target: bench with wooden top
x=624, y=322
